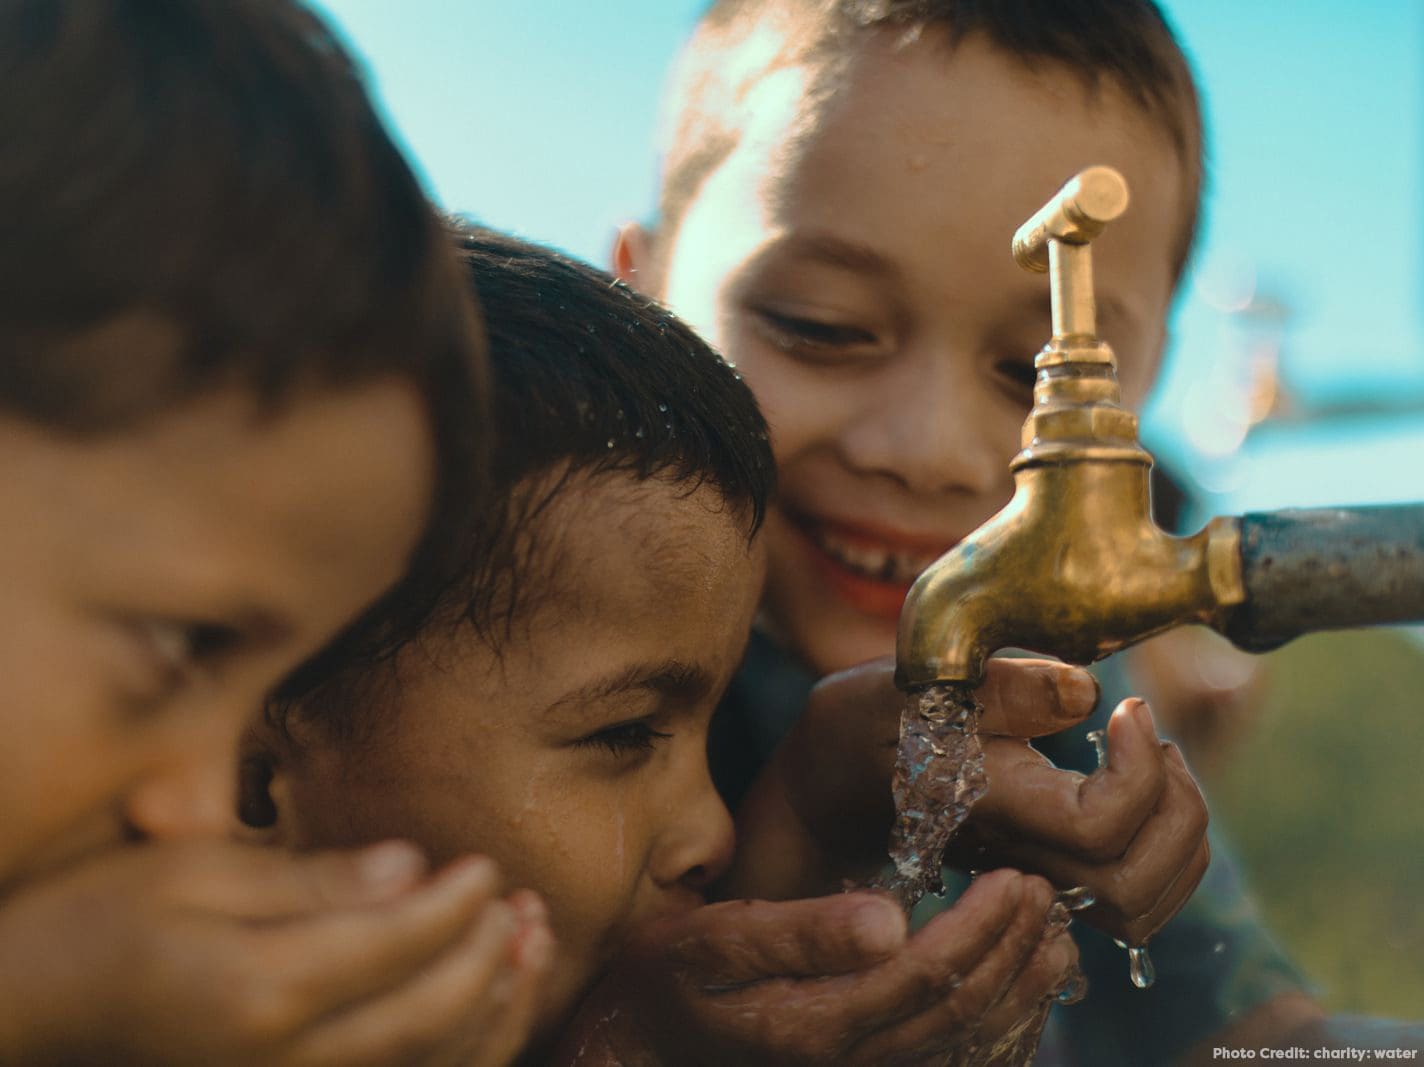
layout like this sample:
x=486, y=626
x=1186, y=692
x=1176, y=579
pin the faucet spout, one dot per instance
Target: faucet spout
x=1073, y=567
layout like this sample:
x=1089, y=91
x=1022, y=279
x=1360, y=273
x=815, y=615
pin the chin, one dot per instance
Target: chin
x=832, y=637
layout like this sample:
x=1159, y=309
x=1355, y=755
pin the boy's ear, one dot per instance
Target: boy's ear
x=632, y=257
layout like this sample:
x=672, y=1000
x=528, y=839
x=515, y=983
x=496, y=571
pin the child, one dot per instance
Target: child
x=562, y=725
x=841, y=182
x=237, y=377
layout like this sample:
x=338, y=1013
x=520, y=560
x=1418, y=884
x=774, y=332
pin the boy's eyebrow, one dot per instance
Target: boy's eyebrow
x=834, y=251
x=687, y=682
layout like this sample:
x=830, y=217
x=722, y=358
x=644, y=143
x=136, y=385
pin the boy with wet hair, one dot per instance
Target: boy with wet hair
x=240, y=385
x=841, y=182
x=560, y=724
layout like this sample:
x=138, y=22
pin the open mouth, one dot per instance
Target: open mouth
x=869, y=571
x=878, y=562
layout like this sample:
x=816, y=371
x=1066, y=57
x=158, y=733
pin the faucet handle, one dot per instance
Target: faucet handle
x=1076, y=214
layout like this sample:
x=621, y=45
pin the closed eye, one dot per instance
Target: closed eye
x=805, y=337
x=177, y=650
x=1018, y=374
x=624, y=738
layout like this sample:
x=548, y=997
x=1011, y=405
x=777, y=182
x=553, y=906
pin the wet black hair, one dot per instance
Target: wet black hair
x=215, y=167
x=588, y=377
x=738, y=42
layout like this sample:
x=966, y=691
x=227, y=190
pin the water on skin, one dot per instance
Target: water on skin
x=1140, y=970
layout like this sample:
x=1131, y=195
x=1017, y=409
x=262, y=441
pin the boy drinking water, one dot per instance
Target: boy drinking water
x=239, y=380
x=556, y=717
x=841, y=181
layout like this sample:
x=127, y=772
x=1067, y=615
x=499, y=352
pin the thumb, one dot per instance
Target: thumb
x=1034, y=697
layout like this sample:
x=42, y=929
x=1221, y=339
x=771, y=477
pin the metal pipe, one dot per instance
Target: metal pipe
x=1328, y=569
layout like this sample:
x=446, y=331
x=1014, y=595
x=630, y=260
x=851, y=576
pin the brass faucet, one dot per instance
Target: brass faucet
x=1074, y=566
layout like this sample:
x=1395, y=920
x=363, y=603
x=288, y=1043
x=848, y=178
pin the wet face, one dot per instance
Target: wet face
x=157, y=581
x=577, y=756
x=852, y=258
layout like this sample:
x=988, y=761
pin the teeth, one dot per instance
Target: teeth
x=880, y=564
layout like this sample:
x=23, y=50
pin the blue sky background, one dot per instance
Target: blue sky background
x=538, y=117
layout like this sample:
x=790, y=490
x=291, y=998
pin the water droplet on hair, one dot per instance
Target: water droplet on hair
x=662, y=408
x=638, y=433
x=611, y=442
x=1219, y=947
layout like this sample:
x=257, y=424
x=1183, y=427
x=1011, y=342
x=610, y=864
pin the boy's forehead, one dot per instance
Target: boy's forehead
x=887, y=89
x=650, y=538
x=909, y=138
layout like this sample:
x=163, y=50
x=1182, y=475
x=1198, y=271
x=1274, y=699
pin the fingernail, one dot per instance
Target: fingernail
x=390, y=863
x=536, y=949
x=1080, y=693
x=528, y=907
x=1143, y=714
x=879, y=927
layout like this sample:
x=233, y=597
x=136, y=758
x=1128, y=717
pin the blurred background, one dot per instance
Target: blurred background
x=1296, y=374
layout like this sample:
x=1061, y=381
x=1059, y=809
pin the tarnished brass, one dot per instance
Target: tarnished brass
x=1074, y=566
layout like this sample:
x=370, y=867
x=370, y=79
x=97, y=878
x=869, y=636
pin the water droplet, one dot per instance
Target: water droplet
x=1057, y=920
x=1073, y=989
x=1219, y=947
x=1079, y=898
x=1099, y=738
x=638, y=433
x=662, y=408
x=610, y=442
x=1139, y=967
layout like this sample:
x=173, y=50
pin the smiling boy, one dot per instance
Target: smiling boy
x=841, y=182
x=237, y=377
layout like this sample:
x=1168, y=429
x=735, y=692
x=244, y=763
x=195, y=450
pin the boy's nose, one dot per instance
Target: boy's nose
x=190, y=793
x=699, y=850
x=935, y=432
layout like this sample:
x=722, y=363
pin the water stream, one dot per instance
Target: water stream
x=939, y=775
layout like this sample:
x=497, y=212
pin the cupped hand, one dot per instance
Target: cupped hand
x=224, y=953
x=827, y=980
